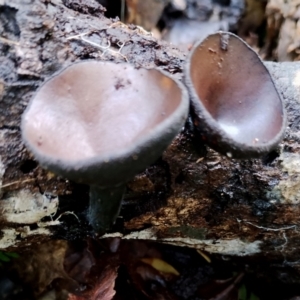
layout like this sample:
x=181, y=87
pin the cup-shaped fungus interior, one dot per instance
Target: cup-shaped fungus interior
x=235, y=90
x=94, y=109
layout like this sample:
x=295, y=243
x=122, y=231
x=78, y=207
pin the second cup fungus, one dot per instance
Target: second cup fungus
x=235, y=105
x=100, y=123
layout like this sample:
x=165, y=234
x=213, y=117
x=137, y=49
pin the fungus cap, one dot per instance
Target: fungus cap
x=101, y=123
x=235, y=105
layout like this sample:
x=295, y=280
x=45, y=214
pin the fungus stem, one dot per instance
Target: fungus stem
x=123, y=11
x=104, y=207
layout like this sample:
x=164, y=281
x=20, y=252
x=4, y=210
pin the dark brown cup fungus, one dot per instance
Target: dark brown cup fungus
x=236, y=108
x=101, y=123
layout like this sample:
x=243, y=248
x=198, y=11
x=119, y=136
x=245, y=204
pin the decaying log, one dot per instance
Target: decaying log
x=191, y=196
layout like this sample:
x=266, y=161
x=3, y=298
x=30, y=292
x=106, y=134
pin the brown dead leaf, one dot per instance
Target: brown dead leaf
x=103, y=287
x=78, y=263
x=221, y=289
x=150, y=282
x=42, y=265
x=74, y=297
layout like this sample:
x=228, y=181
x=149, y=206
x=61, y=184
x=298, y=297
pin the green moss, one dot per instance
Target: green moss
x=7, y=256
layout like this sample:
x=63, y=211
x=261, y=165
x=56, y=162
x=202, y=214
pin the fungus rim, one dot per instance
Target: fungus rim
x=237, y=149
x=159, y=131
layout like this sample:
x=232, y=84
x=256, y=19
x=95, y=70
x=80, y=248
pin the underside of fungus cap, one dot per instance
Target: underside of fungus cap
x=101, y=122
x=235, y=105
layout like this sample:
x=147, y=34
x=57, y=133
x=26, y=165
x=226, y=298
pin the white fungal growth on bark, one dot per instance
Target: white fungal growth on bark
x=9, y=237
x=220, y=246
x=288, y=190
x=23, y=207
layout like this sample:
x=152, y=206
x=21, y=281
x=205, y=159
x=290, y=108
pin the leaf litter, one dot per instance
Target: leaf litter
x=117, y=269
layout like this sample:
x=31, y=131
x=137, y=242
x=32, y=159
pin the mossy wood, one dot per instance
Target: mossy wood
x=191, y=196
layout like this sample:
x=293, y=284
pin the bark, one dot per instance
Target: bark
x=191, y=196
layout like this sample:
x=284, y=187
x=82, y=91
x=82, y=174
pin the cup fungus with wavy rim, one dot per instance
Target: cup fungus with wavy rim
x=236, y=108
x=101, y=123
